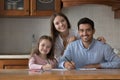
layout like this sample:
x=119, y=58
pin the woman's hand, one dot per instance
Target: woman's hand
x=73, y=38
x=102, y=39
x=69, y=40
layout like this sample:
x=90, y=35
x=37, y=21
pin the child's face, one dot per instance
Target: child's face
x=45, y=46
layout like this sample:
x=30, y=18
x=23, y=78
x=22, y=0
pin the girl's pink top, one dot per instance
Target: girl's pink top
x=35, y=62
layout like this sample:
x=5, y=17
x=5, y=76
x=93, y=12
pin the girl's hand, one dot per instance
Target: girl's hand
x=47, y=67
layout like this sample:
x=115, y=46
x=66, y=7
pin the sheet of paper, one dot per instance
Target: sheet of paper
x=59, y=69
x=86, y=69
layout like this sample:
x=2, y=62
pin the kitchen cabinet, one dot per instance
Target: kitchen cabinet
x=29, y=7
x=13, y=63
x=115, y=4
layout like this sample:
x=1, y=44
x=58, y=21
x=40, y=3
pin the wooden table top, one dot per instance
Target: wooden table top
x=24, y=74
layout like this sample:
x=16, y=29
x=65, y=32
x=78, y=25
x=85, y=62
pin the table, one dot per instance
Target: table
x=25, y=74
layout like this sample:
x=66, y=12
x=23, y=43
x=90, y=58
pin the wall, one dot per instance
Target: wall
x=16, y=33
x=103, y=16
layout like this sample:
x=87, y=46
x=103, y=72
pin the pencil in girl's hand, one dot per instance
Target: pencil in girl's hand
x=48, y=61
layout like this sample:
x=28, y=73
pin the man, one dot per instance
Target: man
x=88, y=52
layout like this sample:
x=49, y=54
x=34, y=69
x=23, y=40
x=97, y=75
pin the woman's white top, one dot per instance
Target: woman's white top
x=59, y=47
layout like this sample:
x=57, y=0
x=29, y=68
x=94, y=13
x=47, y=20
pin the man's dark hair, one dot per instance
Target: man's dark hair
x=86, y=21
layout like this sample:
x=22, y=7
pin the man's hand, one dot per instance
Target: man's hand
x=69, y=65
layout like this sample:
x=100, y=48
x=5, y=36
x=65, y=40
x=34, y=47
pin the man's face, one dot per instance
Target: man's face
x=86, y=32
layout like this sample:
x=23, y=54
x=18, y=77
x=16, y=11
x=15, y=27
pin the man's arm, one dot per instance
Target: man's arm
x=97, y=66
x=64, y=63
x=112, y=59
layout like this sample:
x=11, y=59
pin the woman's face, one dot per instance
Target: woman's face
x=60, y=24
x=45, y=46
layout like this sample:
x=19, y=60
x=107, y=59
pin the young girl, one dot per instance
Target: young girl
x=42, y=57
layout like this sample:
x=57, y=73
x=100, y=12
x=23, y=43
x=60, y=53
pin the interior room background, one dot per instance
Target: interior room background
x=16, y=33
